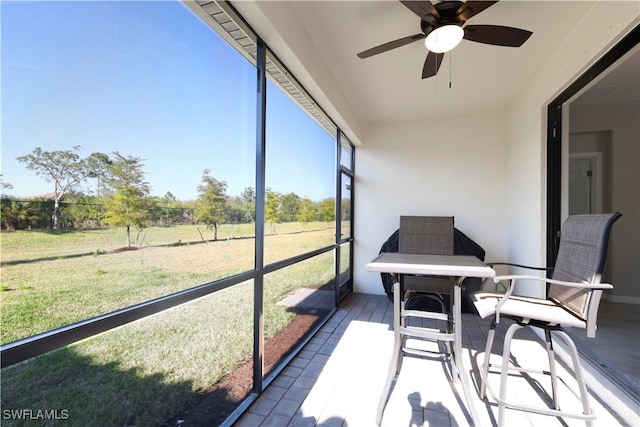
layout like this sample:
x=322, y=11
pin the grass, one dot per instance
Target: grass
x=51, y=279
x=146, y=371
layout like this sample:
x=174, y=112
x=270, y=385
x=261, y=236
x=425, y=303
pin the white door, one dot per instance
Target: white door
x=585, y=183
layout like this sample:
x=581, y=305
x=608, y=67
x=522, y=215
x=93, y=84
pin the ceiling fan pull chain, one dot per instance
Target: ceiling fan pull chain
x=450, y=55
x=437, y=91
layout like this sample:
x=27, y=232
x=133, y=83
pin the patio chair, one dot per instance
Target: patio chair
x=573, y=295
x=433, y=235
x=421, y=235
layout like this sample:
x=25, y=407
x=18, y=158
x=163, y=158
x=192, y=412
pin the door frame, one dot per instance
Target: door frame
x=598, y=177
x=555, y=134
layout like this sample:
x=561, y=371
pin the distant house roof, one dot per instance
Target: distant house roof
x=47, y=196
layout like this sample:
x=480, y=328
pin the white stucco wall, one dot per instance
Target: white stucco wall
x=601, y=28
x=435, y=167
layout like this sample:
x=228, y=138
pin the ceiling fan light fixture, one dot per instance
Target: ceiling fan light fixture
x=444, y=38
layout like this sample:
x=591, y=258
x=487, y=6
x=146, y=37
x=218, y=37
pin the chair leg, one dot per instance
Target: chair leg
x=504, y=375
x=587, y=413
x=400, y=355
x=449, y=330
x=487, y=359
x=577, y=368
x=552, y=368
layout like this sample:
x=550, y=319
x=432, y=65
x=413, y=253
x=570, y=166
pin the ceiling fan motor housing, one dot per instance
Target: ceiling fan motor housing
x=446, y=14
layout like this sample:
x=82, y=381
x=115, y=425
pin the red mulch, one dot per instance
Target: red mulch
x=125, y=248
x=214, y=405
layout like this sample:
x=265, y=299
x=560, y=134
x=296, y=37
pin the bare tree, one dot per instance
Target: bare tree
x=65, y=169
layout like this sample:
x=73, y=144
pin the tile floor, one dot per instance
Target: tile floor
x=618, y=337
x=337, y=378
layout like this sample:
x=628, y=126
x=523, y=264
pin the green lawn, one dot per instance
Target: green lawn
x=51, y=279
x=143, y=372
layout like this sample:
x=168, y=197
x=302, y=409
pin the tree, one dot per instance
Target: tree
x=249, y=201
x=124, y=172
x=307, y=211
x=64, y=168
x=328, y=209
x=236, y=211
x=167, y=210
x=17, y=214
x=4, y=185
x=99, y=165
x=272, y=208
x=82, y=211
x=249, y=195
x=212, y=201
x=242, y=209
x=128, y=205
x=290, y=207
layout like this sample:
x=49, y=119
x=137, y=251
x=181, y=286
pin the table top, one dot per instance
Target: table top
x=438, y=265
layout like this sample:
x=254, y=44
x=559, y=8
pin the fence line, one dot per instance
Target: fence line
x=25, y=214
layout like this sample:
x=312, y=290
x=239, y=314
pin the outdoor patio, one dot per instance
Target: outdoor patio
x=337, y=378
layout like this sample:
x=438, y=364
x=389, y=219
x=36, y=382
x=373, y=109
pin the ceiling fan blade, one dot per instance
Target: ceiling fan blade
x=472, y=8
x=496, y=35
x=432, y=64
x=391, y=45
x=421, y=8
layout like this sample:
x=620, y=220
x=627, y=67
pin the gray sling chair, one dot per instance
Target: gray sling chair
x=430, y=235
x=573, y=296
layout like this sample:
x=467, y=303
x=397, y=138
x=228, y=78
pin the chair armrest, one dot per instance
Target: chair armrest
x=491, y=264
x=512, y=280
x=583, y=285
x=510, y=264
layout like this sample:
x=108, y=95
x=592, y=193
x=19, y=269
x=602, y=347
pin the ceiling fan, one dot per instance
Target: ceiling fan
x=440, y=21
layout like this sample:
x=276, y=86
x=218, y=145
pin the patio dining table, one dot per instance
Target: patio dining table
x=457, y=267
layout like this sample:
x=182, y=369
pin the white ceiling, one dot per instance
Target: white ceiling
x=388, y=86
x=621, y=82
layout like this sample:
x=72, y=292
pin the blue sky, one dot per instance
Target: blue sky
x=149, y=80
